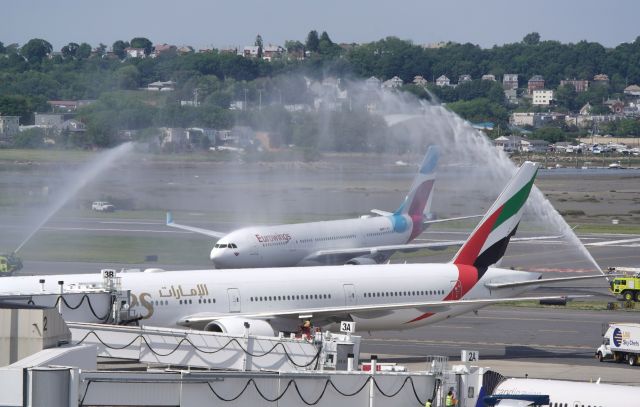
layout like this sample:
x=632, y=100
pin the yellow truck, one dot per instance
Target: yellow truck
x=9, y=264
x=626, y=285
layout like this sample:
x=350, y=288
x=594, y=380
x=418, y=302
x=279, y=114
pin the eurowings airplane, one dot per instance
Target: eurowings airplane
x=381, y=296
x=365, y=240
x=562, y=393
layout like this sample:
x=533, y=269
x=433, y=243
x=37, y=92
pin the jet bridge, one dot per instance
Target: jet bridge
x=155, y=346
x=103, y=302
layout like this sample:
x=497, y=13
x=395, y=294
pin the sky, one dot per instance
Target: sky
x=222, y=24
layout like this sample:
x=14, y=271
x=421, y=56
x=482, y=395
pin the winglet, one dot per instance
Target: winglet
x=488, y=242
x=169, y=218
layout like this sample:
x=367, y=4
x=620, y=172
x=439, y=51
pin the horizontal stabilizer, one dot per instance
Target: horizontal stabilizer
x=206, y=232
x=381, y=212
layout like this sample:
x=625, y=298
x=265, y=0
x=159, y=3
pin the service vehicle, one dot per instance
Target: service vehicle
x=621, y=342
x=9, y=264
x=102, y=206
x=626, y=284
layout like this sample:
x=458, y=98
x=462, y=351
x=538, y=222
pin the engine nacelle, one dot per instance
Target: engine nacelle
x=358, y=261
x=236, y=326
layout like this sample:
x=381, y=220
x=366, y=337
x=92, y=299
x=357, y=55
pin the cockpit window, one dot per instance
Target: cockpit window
x=221, y=246
x=232, y=246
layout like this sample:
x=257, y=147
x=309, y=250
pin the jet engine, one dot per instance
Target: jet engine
x=236, y=326
x=358, y=261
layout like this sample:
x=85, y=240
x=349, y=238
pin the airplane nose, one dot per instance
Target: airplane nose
x=218, y=257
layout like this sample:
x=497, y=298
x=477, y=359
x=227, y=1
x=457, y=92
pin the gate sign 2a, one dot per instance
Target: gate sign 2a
x=470, y=356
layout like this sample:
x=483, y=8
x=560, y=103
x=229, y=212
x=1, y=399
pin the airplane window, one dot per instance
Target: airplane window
x=269, y=298
x=329, y=296
x=279, y=298
x=316, y=296
x=180, y=302
x=189, y=301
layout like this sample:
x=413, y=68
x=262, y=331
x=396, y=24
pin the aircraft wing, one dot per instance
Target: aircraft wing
x=362, y=311
x=543, y=281
x=193, y=229
x=322, y=255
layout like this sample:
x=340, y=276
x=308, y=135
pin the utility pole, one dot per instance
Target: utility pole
x=259, y=100
x=245, y=98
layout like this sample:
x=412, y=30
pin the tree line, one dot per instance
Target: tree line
x=33, y=73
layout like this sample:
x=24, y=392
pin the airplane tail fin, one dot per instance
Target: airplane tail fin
x=418, y=200
x=488, y=242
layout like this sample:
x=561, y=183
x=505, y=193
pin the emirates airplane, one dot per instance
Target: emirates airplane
x=364, y=240
x=376, y=297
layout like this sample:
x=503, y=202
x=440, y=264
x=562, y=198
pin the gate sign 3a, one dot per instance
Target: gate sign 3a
x=347, y=327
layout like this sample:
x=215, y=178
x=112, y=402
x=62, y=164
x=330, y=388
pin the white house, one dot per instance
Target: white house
x=443, y=81
x=542, y=97
x=392, y=83
x=372, y=83
x=135, y=52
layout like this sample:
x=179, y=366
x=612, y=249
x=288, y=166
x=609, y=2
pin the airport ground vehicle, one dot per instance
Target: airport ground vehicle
x=627, y=285
x=101, y=206
x=9, y=264
x=621, y=342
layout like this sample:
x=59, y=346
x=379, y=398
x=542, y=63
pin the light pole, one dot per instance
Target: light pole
x=245, y=98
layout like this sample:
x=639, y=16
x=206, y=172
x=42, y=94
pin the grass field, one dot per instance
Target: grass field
x=44, y=156
x=58, y=246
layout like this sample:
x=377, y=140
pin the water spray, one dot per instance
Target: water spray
x=85, y=174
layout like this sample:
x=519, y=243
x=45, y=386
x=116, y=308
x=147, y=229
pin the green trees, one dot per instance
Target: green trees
x=258, y=43
x=313, y=42
x=36, y=50
x=29, y=76
x=119, y=47
x=141, y=42
x=531, y=38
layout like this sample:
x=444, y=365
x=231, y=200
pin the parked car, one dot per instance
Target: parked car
x=102, y=206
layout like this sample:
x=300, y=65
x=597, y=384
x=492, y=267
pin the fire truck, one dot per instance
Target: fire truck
x=626, y=285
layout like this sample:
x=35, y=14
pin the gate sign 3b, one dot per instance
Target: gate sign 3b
x=347, y=327
x=470, y=356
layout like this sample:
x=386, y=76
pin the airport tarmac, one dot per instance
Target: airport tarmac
x=517, y=335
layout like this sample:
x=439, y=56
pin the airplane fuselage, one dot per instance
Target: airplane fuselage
x=292, y=245
x=165, y=298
